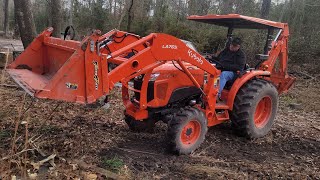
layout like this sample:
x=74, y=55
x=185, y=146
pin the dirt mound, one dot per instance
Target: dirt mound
x=100, y=139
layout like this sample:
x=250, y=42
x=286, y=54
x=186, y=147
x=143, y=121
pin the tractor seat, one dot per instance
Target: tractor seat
x=239, y=74
x=261, y=58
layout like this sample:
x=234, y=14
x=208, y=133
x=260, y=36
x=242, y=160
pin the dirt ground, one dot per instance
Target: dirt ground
x=88, y=143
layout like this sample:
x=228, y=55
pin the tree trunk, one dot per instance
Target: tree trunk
x=129, y=16
x=115, y=9
x=303, y=6
x=6, y=17
x=71, y=13
x=284, y=9
x=265, y=8
x=56, y=17
x=25, y=20
x=227, y=6
x=239, y=6
x=159, y=15
x=16, y=33
x=120, y=20
x=191, y=7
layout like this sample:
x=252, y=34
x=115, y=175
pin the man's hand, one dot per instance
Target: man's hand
x=211, y=58
x=215, y=60
x=208, y=56
x=219, y=66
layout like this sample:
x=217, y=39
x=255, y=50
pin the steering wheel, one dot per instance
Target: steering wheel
x=215, y=60
x=70, y=32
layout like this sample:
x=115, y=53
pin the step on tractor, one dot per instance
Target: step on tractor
x=162, y=79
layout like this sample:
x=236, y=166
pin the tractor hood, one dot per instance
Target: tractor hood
x=237, y=21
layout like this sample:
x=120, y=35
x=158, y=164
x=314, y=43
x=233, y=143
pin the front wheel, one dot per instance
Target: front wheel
x=187, y=130
x=255, y=108
x=146, y=125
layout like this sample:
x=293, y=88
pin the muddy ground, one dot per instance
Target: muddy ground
x=88, y=141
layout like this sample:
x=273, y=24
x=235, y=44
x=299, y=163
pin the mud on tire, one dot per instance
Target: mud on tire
x=186, y=131
x=146, y=125
x=254, y=109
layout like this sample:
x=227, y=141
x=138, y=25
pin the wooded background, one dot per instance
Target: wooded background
x=169, y=16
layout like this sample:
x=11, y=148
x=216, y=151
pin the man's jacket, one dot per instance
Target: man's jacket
x=232, y=61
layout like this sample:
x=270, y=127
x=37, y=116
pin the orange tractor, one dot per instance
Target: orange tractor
x=162, y=79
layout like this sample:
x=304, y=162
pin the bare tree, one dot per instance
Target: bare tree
x=227, y=6
x=6, y=17
x=24, y=17
x=284, y=9
x=130, y=16
x=56, y=13
x=161, y=8
x=71, y=13
x=265, y=8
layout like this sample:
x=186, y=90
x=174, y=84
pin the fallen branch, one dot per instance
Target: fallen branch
x=31, y=143
x=205, y=149
x=17, y=122
x=317, y=128
x=304, y=74
x=102, y=171
x=28, y=107
x=10, y=85
x=50, y=115
x=136, y=151
x=53, y=111
x=26, y=142
x=10, y=156
x=40, y=163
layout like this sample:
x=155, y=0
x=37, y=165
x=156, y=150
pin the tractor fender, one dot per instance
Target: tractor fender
x=240, y=82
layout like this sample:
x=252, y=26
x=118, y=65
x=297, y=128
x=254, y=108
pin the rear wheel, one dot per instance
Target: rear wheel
x=255, y=108
x=187, y=130
x=146, y=125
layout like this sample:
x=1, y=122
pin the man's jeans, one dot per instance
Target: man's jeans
x=224, y=78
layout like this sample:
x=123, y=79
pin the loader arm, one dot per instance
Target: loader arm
x=161, y=48
x=114, y=40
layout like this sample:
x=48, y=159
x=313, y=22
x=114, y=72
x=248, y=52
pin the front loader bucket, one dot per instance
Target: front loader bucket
x=56, y=69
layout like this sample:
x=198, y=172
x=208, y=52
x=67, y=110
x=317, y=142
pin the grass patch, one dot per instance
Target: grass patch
x=287, y=99
x=114, y=164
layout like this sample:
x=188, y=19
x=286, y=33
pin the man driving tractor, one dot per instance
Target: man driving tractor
x=172, y=82
x=232, y=59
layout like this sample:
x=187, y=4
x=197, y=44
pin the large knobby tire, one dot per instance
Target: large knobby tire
x=146, y=125
x=186, y=131
x=255, y=108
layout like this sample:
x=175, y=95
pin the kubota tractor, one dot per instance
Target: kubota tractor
x=171, y=82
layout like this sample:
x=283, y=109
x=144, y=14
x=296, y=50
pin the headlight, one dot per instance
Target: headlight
x=154, y=76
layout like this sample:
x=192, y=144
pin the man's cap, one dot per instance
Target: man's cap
x=236, y=41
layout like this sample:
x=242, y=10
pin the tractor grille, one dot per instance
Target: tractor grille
x=162, y=90
x=137, y=83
